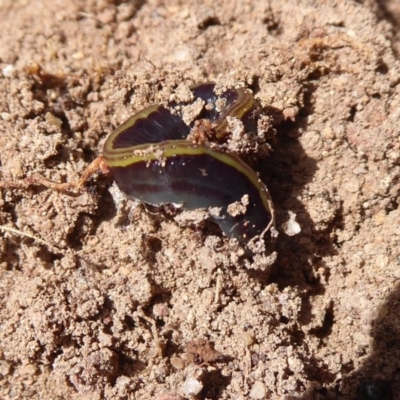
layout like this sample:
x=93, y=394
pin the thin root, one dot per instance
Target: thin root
x=71, y=187
x=14, y=231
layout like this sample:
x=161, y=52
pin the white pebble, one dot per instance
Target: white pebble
x=258, y=390
x=291, y=227
x=191, y=387
x=7, y=70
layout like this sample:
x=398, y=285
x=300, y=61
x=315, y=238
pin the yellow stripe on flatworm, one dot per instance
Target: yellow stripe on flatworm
x=244, y=103
x=164, y=150
x=109, y=150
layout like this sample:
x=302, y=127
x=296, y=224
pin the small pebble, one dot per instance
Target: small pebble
x=291, y=227
x=53, y=120
x=258, y=390
x=7, y=71
x=177, y=362
x=191, y=387
x=247, y=338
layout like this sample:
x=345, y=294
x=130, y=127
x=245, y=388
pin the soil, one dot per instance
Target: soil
x=102, y=301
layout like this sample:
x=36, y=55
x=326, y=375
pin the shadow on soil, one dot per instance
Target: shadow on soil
x=379, y=376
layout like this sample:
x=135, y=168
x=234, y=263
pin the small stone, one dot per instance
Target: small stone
x=258, y=390
x=7, y=71
x=247, y=338
x=53, y=120
x=328, y=133
x=366, y=205
x=177, y=363
x=78, y=55
x=291, y=227
x=191, y=387
x=105, y=340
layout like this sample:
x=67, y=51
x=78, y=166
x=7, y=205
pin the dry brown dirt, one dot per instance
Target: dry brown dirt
x=98, y=302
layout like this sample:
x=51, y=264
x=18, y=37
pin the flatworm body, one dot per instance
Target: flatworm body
x=152, y=161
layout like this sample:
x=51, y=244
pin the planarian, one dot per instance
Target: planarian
x=153, y=160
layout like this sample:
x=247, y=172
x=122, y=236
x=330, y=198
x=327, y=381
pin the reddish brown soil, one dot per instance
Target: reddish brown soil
x=97, y=303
